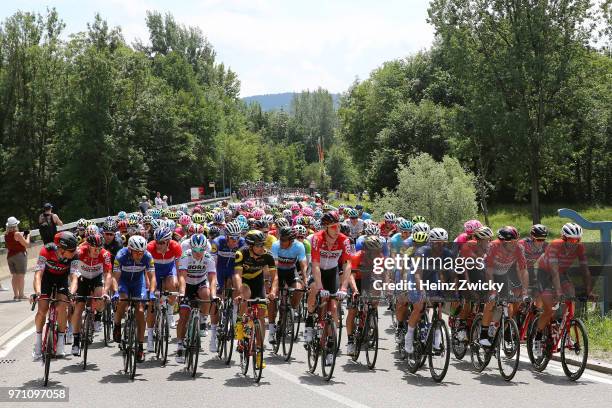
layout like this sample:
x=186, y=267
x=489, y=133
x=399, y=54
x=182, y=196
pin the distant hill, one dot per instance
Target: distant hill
x=277, y=101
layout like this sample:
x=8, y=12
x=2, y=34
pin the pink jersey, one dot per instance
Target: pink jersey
x=462, y=238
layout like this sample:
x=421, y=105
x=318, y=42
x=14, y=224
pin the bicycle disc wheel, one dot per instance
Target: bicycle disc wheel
x=574, y=350
x=371, y=340
x=48, y=353
x=479, y=356
x=288, y=334
x=539, y=364
x=508, y=349
x=330, y=346
x=257, y=352
x=439, y=353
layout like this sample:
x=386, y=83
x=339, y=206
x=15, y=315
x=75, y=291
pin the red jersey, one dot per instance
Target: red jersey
x=387, y=229
x=531, y=251
x=48, y=262
x=562, y=255
x=329, y=256
x=165, y=262
x=89, y=267
x=500, y=260
x=470, y=249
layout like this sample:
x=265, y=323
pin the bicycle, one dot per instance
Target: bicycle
x=108, y=316
x=460, y=345
x=161, y=333
x=506, y=343
x=286, y=332
x=424, y=347
x=225, y=333
x=128, y=340
x=366, y=330
x=324, y=339
x=251, y=345
x=87, y=327
x=192, y=341
x=49, y=340
x=557, y=337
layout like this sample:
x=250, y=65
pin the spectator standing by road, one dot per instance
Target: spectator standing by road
x=159, y=203
x=17, y=244
x=165, y=202
x=144, y=205
x=48, y=223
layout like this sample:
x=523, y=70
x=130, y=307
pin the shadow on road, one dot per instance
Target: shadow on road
x=77, y=368
x=120, y=378
x=241, y=381
x=38, y=383
x=215, y=364
x=183, y=375
x=313, y=379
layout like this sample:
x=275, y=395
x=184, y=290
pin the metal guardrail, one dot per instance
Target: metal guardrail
x=70, y=225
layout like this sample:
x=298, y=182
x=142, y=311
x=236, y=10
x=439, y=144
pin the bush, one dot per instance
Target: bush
x=443, y=192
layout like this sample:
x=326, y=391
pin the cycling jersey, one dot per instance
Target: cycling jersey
x=329, y=257
x=432, y=269
x=387, y=229
x=500, y=260
x=366, y=216
x=165, y=263
x=270, y=240
x=563, y=255
x=399, y=245
x=251, y=270
x=356, y=229
x=129, y=269
x=89, y=267
x=224, y=257
x=462, y=238
x=197, y=270
x=361, y=240
x=186, y=244
x=114, y=247
x=531, y=251
x=49, y=263
x=287, y=258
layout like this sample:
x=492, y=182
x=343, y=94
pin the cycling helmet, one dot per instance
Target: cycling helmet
x=198, y=241
x=507, y=233
x=213, y=232
x=318, y=214
x=91, y=230
x=330, y=217
x=483, y=233
x=345, y=229
x=405, y=225
x=470, y=226
x=418, y=218
x=219, y=217
x=287, y=213
x=255, y=237
x=163, y=234
x=233, y=228
x=137, y=243
x=372, y=229
x=420, y=237
x=171, y=224
x=66, y=240
x=438, y=234
x=122, y=215
x=109, y=226
x=539, y=231
x=257, y=213
x=155, y=224
x=373, y=243
x=286, y=233
x=185, y=220
x=258, y=224
x=316, y=224
x=81, y=223
x=299, y=220
x=147, y=219
x=571, y=230
x=389, y=217
x=300, y=231
x=95, y=240
x=198, y=218
x=281, y=222
x=268, y=218
x=308, y=211
x=122, y=225
x=241, y=218
x=420, y=227
x=352, y=213
x=209, y=216
x=295, y=207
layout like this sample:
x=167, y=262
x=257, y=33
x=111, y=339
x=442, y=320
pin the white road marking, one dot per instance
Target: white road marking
x=10, y=345
x=323, y=392
x=13, y=331
x=585, y=375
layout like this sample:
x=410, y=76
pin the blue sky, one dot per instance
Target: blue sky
x=274, y=45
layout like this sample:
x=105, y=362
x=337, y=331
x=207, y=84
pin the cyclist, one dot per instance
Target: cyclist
x=468, y=231
x=388, y=226
x=430, y=270
x=287, y=253
x=112, y=243
x=132, y=265
x=166, y=253
x=553, y=280
x=330, y=249
x=533, y=247
x=56, y=262
x=503, y=253
x=197, y=279
x=251, y=264
x=223, y=249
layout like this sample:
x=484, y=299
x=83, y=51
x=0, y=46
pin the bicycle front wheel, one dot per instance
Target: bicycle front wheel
x=574, y=350
x=288, y=334
x=508, y=349
x=165, y=338
x=371, y=340
x=48, y=352
x=439, y=351
x=479, y=355
x=86, y=327
x=330, y=345
x=132, y=348
x=539, y=363
x=257, y=351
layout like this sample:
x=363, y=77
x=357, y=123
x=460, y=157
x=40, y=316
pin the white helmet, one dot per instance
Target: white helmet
x=420, y=227
x=438, y=234
x=390, y=217
x=571, y=230
x=137, y=243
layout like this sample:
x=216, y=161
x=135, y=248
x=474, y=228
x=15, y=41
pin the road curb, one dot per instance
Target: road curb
x=594, y=365
x=16, y=330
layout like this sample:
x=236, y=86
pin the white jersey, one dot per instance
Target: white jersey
x=197, y=271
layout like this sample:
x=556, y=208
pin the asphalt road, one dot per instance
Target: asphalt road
x=289, y=384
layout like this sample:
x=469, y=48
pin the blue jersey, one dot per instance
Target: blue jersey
x=287, y=258
x=365, y=216
x=224, y=255
x=432, y=267
x=398, y=244
x=131, y=270
x=361, y=239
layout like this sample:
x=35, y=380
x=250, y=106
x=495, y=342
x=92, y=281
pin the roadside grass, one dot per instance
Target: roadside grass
x=599, y=330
